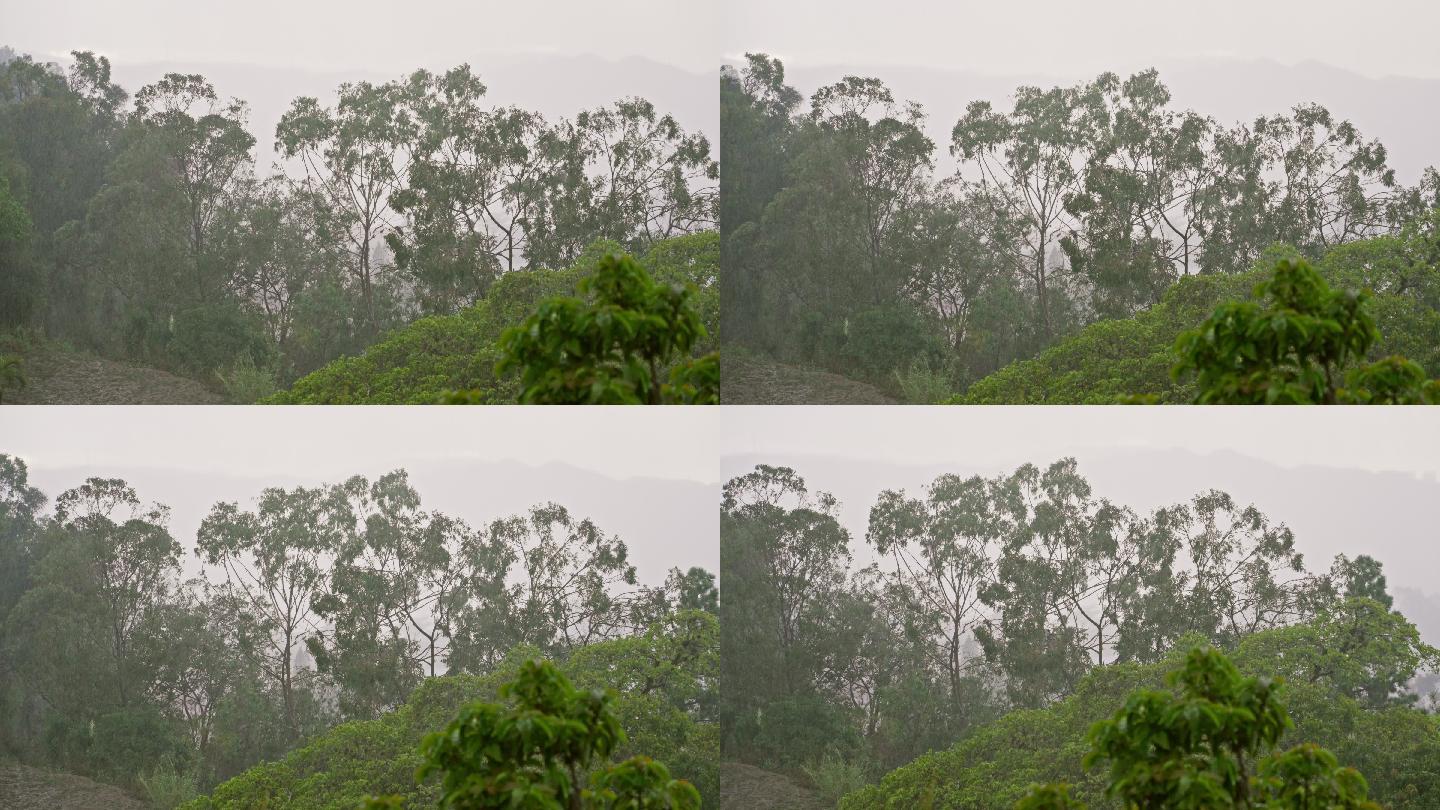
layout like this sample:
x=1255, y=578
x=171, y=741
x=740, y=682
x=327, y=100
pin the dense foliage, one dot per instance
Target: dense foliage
x=663, y=679
x=1399, y=276
x=1011, y=613
x=139, y=229
x=1079, y=205
x=1392, y=743
x=436, y=357
x=1213, y=745
x=544, y=752
x=315, y=606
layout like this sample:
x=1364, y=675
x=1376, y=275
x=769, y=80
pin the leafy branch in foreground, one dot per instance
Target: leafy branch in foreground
x=536, y=754
x=1206, y=748
x=609, y=345
x=1297, y=342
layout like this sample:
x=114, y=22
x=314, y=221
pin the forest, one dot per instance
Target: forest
x=148, y=257
x=315, y=637
x=964, y=651
x=1084, y=230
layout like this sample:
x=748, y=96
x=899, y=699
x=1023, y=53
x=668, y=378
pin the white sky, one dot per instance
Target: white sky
x=674, y=443
x=345, y=34
x=1079, y=39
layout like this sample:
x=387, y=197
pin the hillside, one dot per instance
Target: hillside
x=751, y=379
x=1114, y=358
x=746, y=787
x=26, y=788
x=654, y=675
x=56, y=376
x=418, y=363
x=1396, y=747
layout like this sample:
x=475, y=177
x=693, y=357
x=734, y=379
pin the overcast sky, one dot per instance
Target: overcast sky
x=649, y=475
x=1079, y=39
x=352, y=34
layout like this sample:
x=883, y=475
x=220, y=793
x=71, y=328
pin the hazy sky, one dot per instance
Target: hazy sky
x=348, y=34
x=1078, y=39
x=649, y=475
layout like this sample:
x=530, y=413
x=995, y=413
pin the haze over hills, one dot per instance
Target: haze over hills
x=1402, y=112
x=1389, y=515
x=664, y=522
x=557, y=85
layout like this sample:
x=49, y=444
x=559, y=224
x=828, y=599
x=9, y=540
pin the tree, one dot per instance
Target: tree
x=1211, y=746
x=560, y=598
x=610, y=346
x=1296, y=342
x=275, y=562
x=355, y=158
x=1029, y=160
x=392, y=594
x=539, y=752
x=943, y=552
x=208, y=151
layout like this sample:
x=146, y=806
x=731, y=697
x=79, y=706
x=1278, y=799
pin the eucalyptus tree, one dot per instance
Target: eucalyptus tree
x=1067, y=564
x=1030, y=162
x=544, y=579
x=942, y=551
x=391, y=594
x=645, y=179
x=354, y=157
x=1136, y=227
x=887, y=160
x=480, y=185
x=1307, y=178
x=109, y=568
x=208, y=151
x=275, y=561
x=798, y=548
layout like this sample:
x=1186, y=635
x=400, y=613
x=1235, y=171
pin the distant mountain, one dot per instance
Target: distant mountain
x=552, y=84
x=1404, y=113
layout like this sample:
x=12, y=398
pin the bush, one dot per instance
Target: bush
x=245, y=383
x=879, y=341
x=920, y=384
x=215, y=336
x=166, y=788
x=835, y=777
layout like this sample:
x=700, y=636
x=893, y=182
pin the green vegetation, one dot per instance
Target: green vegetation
x=1197, y=749
x=433, y=358
x=1086, y=228
x=329, y=629
x=610, y=350
x=659, y=679
x=139, y=230
x=1393, y=744
x=538, y=753
x=1002, y=618
x=1110, y=360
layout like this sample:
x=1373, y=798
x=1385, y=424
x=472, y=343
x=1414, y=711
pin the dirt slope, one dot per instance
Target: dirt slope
x=26, y=788
x=748, y=379
x=745, y=787
x=56, y=377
